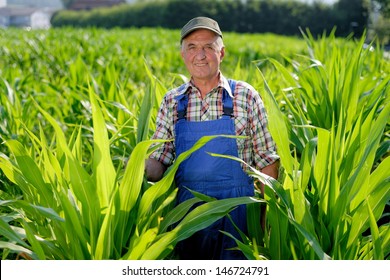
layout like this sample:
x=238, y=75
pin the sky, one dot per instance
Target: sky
x=324, y=1
x=2, y=2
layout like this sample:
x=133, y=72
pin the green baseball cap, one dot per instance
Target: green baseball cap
x=200, y=23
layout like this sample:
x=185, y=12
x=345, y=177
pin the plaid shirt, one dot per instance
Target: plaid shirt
x=257, y=149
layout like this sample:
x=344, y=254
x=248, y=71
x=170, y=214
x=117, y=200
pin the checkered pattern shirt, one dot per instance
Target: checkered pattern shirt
x=257, y=149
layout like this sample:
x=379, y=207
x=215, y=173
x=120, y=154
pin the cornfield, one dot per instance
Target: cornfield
x=77, y=110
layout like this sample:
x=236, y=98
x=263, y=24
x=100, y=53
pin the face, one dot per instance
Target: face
x=202, y=52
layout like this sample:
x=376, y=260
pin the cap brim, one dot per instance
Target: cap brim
x=197, y=28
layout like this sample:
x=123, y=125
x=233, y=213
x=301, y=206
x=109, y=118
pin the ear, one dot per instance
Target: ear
x=222, y=53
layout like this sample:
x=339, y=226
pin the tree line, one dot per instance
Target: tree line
x=250, y=16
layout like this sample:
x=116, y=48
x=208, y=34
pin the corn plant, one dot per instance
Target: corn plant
x=78, y=107
x=68, y=213
x=335, y=180
x=334, y=183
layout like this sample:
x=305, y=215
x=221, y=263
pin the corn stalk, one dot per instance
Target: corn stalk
x=69, y=213
x=334, y=185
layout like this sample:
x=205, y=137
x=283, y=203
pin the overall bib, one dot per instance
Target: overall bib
x=214, y=176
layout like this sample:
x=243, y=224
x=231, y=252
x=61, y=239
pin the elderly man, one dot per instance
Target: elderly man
x=210, y=104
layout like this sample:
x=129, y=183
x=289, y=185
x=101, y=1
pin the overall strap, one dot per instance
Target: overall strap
x=227, y=102
x=182, y=103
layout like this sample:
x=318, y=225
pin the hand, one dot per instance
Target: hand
x=154, y=170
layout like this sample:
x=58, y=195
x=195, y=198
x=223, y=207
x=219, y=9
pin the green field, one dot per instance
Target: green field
x=77, y=109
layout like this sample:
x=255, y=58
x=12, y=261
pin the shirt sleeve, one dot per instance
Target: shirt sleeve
x=164, y=130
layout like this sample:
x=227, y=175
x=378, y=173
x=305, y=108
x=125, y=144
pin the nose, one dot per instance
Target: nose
x=201, y=53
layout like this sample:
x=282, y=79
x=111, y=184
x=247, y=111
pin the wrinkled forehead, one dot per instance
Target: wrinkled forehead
x=201, y=37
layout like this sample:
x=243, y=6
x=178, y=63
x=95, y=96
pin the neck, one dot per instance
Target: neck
x=205, y=86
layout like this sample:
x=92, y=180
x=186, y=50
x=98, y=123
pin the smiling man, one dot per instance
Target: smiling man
x=210, y=104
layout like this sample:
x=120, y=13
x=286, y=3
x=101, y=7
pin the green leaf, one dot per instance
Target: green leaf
x=11, y=235
x=199, y=218
x=162, y=186
x=376, y=241
x=17, y=249
x=36, y=246
x=142, y=243
x=278, y=128
x=103, y=167
x=177, y=213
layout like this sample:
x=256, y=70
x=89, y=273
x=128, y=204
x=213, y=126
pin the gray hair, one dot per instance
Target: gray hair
x=218, y=42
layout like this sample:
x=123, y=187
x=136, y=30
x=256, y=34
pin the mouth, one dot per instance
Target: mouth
x=200, y=64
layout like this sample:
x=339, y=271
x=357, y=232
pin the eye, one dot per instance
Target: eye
x=210, y=48
x=191, y=48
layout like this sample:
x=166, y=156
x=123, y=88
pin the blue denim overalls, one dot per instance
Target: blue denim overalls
x=214, y=176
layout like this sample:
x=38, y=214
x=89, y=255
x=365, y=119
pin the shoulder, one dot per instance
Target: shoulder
x=247, y=98
x=246, y=91
x=171, y=96
x=244, y=86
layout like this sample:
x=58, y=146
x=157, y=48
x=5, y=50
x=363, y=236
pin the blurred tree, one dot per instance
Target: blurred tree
x=384, y=7
x=353, y=16
x=67, y=3
x=379, y=25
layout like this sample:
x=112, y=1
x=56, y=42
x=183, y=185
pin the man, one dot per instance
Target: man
x=210, y=104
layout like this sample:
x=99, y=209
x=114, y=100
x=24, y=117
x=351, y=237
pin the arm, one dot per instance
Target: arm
x=154, y=169
x=163, y=156
x=272, y=170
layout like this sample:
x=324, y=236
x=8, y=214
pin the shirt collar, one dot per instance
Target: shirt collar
x=223, y=83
